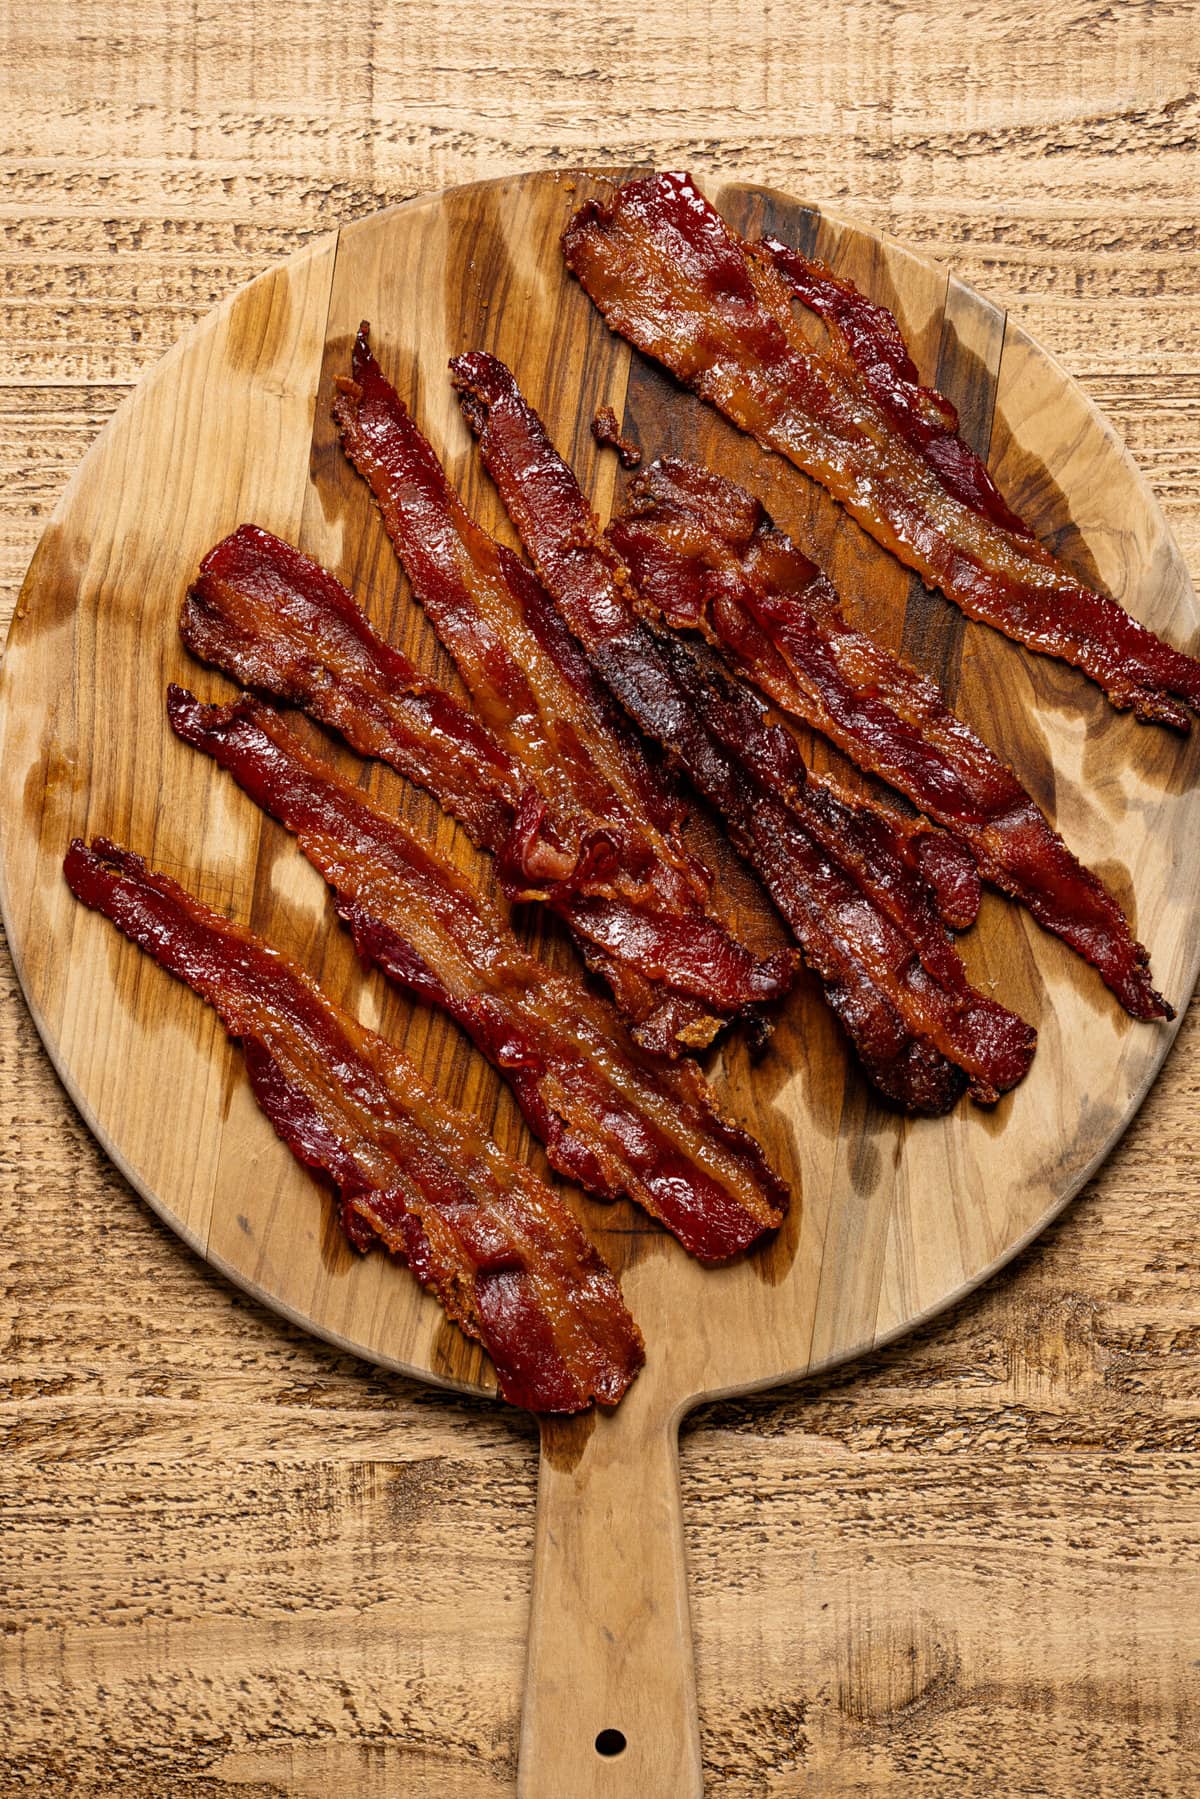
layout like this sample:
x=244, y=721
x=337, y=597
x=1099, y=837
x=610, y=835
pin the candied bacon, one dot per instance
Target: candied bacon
x=840, y=873
x=591, y=781
x=611, y=1117
x=527, y=678
x=670, y=275
x=606, y=429
x=869, y=337
x=495, y=1245
x=275, y=620
x=705, y=556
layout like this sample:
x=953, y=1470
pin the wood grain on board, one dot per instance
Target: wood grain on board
x=912, y=1670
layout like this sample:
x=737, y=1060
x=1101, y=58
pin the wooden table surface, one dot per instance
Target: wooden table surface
x=233, y=1561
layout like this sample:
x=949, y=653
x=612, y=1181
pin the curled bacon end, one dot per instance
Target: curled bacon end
x=669, y=274
x=494, y=1244
x=611, y=1117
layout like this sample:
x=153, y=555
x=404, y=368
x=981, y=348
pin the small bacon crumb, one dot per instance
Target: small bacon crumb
x=606, y=430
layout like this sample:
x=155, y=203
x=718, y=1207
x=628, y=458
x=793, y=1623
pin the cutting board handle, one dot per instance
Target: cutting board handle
x=610, y=1686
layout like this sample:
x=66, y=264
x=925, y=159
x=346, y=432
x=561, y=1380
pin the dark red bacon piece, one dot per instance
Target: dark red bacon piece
x=277, y=621
x=611, y=1117
x=527, y=678
x=669, y=274
x=869, y=337
x=705, y=556
x=842, y=874
x=497, y=1248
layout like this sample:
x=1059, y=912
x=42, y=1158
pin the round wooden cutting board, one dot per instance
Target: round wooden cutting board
x=894, y=1218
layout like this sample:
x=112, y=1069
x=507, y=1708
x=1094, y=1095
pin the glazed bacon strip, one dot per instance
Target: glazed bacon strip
x=704, y=556
x=842, y=875
x=611, y=1117
x=869, y=337
x=669, y=274
x=496, y=1247
x=278, y=622
x=542, y=702
x=527, y=678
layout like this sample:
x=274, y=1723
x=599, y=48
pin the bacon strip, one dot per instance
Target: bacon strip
x=705, y=556
x=870, y=337
x=541, y=700
x=276, y=621
x=498, y=1249
x=839, y=873
x=527, y=678
x=611, y=1117
x=669, y=274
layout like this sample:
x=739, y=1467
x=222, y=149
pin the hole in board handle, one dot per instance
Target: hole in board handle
x=610, y=1742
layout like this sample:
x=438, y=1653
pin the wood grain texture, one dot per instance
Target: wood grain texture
x=609, y=1702
x=154, y=165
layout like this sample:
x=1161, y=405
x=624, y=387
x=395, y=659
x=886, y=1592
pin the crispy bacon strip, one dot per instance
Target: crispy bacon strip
x=669, y=274
x=870, y=336
x=542, y=701
x=497, y=1248
x=527, y=678
x=705, y=556
x=839, y=872
x=611, y=1117
x=276, y=621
